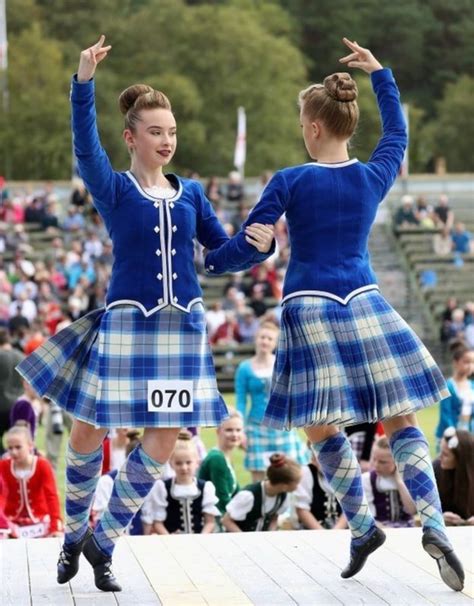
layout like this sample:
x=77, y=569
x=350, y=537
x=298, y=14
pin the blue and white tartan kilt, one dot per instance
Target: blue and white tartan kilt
x=348, y=364
x=98, y=368
x=263, y=441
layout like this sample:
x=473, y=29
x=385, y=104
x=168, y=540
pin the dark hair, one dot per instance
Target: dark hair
x=458, y=349
x=137, y=97
x=334, y=102
x=4, y=336
x=133, y=436
x=456, y=486
x=282, y=470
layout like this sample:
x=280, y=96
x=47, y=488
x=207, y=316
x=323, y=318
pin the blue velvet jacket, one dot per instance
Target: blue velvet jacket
x=330, y=209
x=152, y=238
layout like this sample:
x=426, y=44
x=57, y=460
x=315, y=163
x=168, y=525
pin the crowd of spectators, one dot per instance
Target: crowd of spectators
x=55, y=263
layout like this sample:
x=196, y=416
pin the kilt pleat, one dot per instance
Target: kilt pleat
x=348, y=364
x=263, y=441
x=98, y=368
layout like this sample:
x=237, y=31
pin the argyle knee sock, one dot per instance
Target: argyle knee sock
x=412, y=457
x=133, y=482
x=341, y=469
x=82, y=474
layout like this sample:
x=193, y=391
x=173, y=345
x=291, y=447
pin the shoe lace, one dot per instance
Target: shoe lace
x=108, y=569
x=63, y=558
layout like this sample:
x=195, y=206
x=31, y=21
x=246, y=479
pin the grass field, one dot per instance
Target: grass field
x=427, y=418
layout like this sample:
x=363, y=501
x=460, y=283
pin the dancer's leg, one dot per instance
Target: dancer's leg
x=341, y=469
x=132, y=484
x=412, y=456
x=83, y=468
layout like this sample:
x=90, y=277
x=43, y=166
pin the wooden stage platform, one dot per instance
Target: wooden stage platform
x=268, y=569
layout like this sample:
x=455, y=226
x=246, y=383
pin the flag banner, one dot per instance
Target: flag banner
x=3, y=37
x=241, y=141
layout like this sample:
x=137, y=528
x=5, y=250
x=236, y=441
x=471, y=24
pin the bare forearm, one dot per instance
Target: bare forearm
x=229, y=524
x=308, y=520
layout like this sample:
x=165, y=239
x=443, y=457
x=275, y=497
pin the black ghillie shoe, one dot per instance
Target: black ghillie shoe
x=360, y=553
x=68, y=562
x=102, y=565
x=450, y=568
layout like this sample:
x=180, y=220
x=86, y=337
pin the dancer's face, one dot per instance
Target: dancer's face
x=153, y=141
x=266, y=340
x=447, y=458
x=230, y=433
x=382, y=461
x=465, y=365
x=19, y=448
x=185, y=464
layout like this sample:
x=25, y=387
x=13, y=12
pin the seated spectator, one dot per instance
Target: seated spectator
x=389, y=500
x=215, y=317
x=257, y=506
x=217, y=466
x=462, y=239
x=405, y=215
x=32, y=504
x=442, y=242
x=231, y=295
x=50, y=218
x=316, y=505
x=457, y=410
x=248, y=324
x=424, y=213
x=213, y=191
x=454, y=472
x=93, y=247
x=235, y=188
x=182, y=504
x=257, y=300
x=24, y=306
x=457, y=327
x=228, y=332
x=80, y=197
x=74, y=220
x=444, y=216
x=27, y=409
x=35, y=210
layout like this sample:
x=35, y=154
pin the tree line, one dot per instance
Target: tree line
x=210, y=57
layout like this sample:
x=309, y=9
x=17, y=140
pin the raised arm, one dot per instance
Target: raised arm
x=93, y=163
x=387, y=157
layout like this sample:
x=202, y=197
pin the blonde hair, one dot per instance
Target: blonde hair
x=137, y=97
x=20, y=430
x=184, y=444
x=383, y=442
x=334, y=102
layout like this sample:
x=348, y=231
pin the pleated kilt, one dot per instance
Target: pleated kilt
x=263, y=441
x=348, y=364
x=98, y=368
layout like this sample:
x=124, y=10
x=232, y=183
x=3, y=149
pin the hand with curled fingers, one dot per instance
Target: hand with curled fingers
x=260, y=236
x=90, y=59
x=360, y=57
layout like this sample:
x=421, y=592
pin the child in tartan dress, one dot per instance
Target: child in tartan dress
x=144, y=360
x=344, y=355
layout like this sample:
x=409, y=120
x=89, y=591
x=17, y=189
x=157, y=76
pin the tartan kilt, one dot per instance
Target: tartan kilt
x=348, y=364
x=263, y=441
x=98, y=368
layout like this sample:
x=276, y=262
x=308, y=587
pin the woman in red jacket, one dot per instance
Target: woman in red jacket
x=32, y=501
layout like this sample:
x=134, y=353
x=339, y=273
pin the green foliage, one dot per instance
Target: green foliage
x=452, y=132
x=34, y=133
x=211, y=56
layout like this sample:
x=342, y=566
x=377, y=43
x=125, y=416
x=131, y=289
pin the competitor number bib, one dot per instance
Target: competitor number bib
x=170, y=396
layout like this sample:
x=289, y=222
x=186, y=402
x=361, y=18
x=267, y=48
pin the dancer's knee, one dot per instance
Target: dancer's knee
x=319, y=433
x=86, y=438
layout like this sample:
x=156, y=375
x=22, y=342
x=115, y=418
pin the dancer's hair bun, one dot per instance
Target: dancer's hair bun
x=341, y=87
